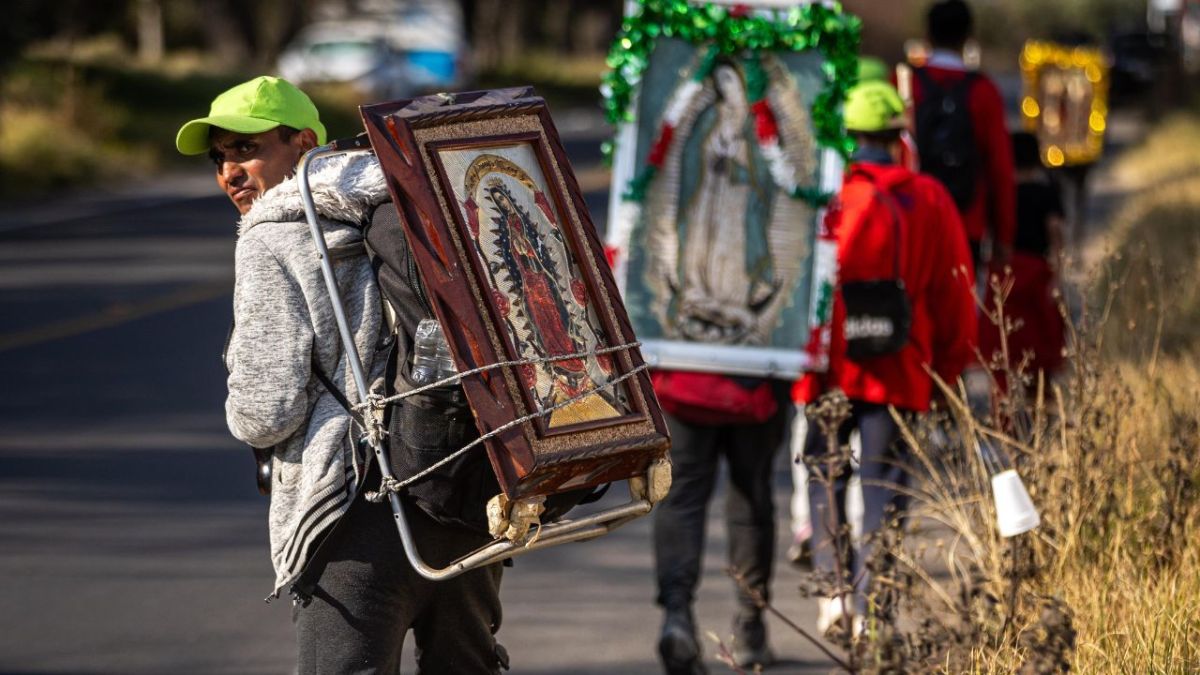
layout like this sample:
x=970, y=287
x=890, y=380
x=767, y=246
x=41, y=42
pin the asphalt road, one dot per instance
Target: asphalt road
x=132, y=539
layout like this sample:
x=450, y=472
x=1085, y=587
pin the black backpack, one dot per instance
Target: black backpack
x=425, y=428
x=946, y=136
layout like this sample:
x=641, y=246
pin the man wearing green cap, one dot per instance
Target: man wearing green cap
x=903, y=309
x=355, y=595
x=237, y=127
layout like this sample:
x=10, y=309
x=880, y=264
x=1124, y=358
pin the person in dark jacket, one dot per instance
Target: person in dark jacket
x=890, y=224
x=991, y=210
x=745, y=438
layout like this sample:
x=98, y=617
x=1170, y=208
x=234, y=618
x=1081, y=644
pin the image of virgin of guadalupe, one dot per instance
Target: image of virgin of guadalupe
x=532, y=282
x=1066, y=103
x=532, y=271
x=726, y=246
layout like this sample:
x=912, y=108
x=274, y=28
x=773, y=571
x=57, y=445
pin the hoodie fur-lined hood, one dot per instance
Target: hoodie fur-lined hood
x=344, y=188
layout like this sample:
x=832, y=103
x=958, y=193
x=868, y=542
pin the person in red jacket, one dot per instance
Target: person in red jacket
x=979, y=175
x=1038, y=331
x=896, y=229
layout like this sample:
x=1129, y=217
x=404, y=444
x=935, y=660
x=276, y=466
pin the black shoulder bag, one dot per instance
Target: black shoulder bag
x=878, y=311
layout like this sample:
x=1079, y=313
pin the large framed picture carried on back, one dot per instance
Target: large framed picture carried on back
x=729, y=144
x=516, y=275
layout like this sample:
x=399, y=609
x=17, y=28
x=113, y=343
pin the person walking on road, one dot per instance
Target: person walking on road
x=799, y=552
x=962, y=139
x=742, y=421
x=1038, y=332
x=903, y=304
x=339, y=556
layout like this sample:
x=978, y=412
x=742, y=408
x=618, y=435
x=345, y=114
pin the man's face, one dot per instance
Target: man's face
x=250, y=164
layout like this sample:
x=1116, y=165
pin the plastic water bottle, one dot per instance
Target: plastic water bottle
x=431, y=354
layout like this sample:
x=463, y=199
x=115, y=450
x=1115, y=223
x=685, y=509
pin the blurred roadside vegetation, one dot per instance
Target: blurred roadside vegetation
x=1155, y=260
x=93, y=90
x=91, y=113
x=97, y=88
x=1014, y=21
x=67, y=119
x=1001, y=26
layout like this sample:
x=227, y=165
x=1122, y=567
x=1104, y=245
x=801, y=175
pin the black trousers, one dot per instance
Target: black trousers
x=679, y=521
x=884, y=476
x=368, y=597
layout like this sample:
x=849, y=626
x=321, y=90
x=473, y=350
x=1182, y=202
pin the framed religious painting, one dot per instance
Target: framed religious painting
x=729, y=144
x=517, y=277
x=1065, y=102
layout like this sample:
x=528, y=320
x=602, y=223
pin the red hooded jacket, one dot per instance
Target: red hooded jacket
x=994, y=206
x=935, y=265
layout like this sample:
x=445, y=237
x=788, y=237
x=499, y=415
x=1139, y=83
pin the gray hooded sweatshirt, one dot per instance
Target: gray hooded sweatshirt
x=283, y=325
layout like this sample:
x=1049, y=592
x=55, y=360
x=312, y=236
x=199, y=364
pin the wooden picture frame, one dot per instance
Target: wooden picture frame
x=728, y=145
x=515, y=272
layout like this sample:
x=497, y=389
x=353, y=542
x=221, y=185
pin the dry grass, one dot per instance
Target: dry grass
x=1110, y=452
x=1154, y=261
x=1169, y=153
x=1110, y=582
x=1156, y=264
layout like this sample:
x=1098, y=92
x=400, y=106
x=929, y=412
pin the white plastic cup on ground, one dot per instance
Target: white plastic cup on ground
x=1015, y=513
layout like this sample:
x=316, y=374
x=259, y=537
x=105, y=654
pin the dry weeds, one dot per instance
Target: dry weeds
x=1110, y=582
x=1110, y=453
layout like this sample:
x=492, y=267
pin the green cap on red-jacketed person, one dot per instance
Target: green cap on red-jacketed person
x=871, y=68
x=873, y=106
x=252, y=108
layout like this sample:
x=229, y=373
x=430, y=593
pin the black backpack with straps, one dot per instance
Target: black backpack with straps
x=425, y=428
x=946, y=136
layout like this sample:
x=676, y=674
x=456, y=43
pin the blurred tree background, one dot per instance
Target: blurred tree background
x=1001, y=25
x=90, y=87
x=251, y=35
x=1033, y=18
x=93, y=86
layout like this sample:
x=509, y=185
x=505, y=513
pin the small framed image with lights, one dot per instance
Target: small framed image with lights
x=1065, y=102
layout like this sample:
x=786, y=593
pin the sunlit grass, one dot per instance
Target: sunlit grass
x=1110, y=452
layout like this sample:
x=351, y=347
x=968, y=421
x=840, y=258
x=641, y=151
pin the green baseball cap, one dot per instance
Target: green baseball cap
x=252, y=108
x=873, y=106
x=871, y=68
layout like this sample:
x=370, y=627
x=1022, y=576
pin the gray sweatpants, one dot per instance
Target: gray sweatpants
x=368, y=597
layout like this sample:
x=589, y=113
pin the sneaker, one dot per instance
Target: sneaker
x=860, y=628
x=832, y=620
x=750, y=640
x=677, y=644
x=800, y=554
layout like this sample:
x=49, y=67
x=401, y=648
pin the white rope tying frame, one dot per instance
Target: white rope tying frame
x=375, y=401
x=390, y=485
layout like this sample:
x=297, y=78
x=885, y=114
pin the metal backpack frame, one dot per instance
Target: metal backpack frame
x=644, y=491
